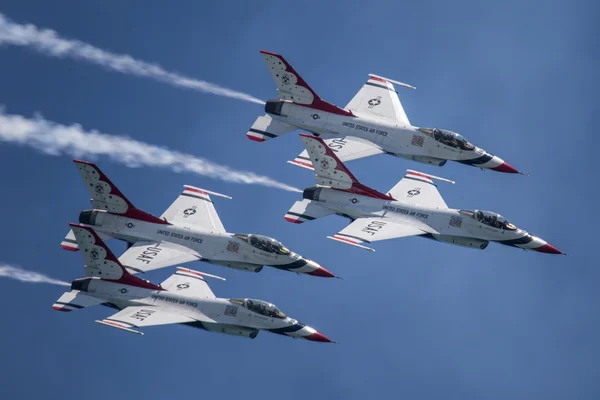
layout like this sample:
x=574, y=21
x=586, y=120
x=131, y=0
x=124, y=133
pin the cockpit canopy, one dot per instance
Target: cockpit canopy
x=265, y=243
x=260, y=307
x=448, y=138
x=489, y=218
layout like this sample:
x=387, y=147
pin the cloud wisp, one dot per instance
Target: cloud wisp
x=49, y=42
x=55, y=139
x=22, y=275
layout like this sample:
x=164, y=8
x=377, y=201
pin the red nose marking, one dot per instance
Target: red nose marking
x=548, y=248
x=318, y=337
x=506, y=167
x=322, y=272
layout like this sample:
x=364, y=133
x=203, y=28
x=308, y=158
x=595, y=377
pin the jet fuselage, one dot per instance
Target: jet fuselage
x=449, y=225
x=219, y=248
x=396, y=138
x=229, y=316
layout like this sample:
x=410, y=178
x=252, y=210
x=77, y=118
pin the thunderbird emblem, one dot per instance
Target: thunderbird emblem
x=99, y=188
x=94, y=254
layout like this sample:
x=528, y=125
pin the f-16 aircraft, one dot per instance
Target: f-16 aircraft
x=184, y=298
x=189, y=230
x=413, y=207
x=374, y=122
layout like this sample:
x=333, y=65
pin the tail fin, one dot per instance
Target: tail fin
x=291, y=86
x=330, y=171
x=101, y=262
x=106, y=196
x=69, y=242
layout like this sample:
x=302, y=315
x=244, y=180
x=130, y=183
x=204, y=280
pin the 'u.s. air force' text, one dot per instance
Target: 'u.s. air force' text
x=179, y=236
x=405, y=211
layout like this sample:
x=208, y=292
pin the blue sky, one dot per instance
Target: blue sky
x=415, y=318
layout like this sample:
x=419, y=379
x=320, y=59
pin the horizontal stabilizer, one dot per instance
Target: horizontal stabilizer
x=306, y=210
x=265, y=128
x=75, y=300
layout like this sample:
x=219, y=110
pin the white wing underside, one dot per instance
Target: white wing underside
x=346, y=148
x=133, y=317
x=368, y=230
x=378, y=98
x=147, y=256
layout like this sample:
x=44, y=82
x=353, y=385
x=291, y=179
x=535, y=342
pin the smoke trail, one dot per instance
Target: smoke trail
x=49, y=42
x=55, y=139
x=23, y=275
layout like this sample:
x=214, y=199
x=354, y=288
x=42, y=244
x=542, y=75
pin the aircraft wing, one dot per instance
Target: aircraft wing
x=133, y=317
x=194, y=207
x=346, y=148
x=368, y=230
x=379, y=98
x=418, y=188
x=188, y=282
x=146, y=256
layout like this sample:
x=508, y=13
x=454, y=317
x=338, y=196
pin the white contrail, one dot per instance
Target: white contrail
x=23, y=275
x=56, y=139
x=49, y=42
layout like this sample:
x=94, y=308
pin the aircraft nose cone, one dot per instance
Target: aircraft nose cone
x=322, y=272
x=506, y=167
x=318, y=337
x=549, y=249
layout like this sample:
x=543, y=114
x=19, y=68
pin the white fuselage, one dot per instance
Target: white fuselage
x=399, y=139
x=220, y=248
x=447, y=225
x=213, y=314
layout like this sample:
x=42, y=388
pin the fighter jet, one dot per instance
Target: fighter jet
x=189, y=230
x=374, y=122
x=413, y=207
x=184, y=298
